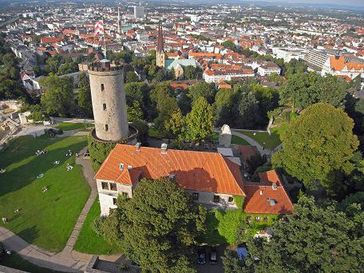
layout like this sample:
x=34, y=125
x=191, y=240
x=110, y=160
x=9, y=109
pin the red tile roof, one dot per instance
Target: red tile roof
x=200, y=171
x=341, y=63
x=264, y=198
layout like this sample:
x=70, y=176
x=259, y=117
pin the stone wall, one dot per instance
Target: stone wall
x=109, y=104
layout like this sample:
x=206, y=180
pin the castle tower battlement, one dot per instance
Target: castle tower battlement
x=108, y=100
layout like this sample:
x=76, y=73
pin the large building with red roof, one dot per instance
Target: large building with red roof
x=209, y=177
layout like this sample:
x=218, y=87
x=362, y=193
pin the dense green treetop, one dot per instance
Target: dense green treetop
x=318, y=143
x=202, y=89
x=312, y=239
x=304, y=89
x=158, y=227
x=58, y=96
x=84, y=96
x=200, y=121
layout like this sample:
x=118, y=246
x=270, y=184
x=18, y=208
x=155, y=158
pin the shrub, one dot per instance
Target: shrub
x=98, y=151
x=97, y=225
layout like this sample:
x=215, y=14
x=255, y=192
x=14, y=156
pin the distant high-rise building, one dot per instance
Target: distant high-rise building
x=138, y=12
x=160, y=55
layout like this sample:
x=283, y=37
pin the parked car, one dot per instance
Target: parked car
x=201, y=256
x=213, y=255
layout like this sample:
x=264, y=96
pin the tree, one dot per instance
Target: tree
x=247, y=111
x=175, y=125
x=200, y=121
x=166, y=105
x=202, y=89
x=223, y=106
x=294, y=67
x=191, y=73
x=53, y=63
x=158, y=233
x=135, y=112
x=231, y=262
x=58, y=96
x=229, y=44
x=131, y=77
x=138, y=91
x=184, y=102
x=304, y=89
x=318, y=143
x=312, y=239
x=84, y=95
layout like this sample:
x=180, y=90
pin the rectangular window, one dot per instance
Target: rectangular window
x=231, y=199
x=104, y=185
x=216, y=199
x=124, y=194
x=102, y=87
x=195, y=196
x=113, y=187
x=104, y=106
x=114, y=201
x=106, y=127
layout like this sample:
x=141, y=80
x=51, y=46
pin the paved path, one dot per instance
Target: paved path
x=248, y=139
x=68, y=260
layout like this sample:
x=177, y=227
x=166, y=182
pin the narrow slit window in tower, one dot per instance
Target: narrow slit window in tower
x=106, y=127
x=104, y=106
x=102, y=87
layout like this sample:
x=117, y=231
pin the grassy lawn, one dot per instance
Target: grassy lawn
x=89, y=241
x=68, y=126
x=264, y=139
x=234, y=139
x=45, y=219
x=17, y=262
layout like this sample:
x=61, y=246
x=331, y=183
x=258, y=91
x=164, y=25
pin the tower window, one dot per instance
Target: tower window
x=106, y=127
x=102, y=87
x=104, y=106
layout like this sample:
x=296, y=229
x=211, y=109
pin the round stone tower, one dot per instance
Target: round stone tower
x=108, y=101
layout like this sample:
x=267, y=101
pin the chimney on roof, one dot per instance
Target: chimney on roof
x=261, y=192
x=137, y=146
x=164, y=148
x=172, y=176
x=274, y=186
x=130, y=167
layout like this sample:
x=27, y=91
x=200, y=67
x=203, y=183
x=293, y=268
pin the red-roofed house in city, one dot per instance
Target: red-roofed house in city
x=209, y=177
x=345, y=66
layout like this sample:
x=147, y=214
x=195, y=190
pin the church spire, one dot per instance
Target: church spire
x=160, y=41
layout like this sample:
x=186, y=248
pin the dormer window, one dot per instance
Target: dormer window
x=271, y=202
x=121, y=166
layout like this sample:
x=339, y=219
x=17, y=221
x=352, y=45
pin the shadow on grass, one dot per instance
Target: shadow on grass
x=16, y=245
x=24, y=175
